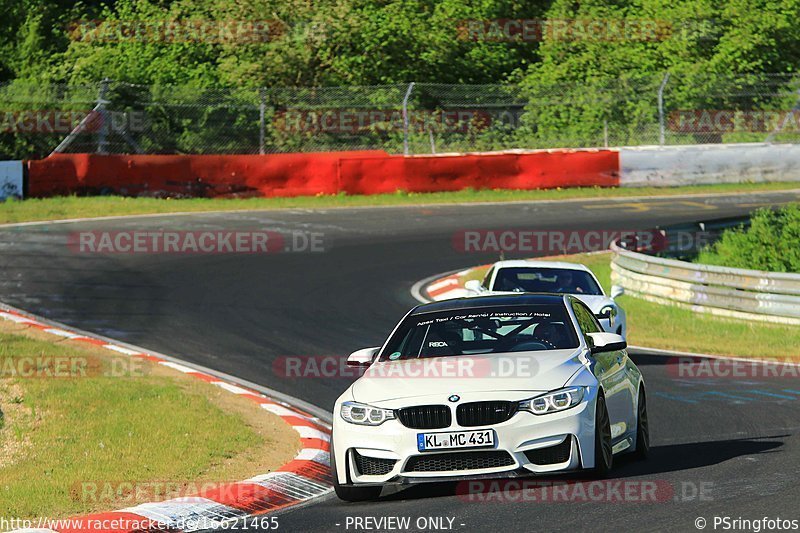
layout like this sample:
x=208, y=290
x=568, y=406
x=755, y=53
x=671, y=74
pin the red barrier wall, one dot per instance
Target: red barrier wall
x=190, y=175
x=367, y=172
x=532, y=170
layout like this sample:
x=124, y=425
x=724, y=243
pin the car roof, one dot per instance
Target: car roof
x=533, y=263
x=494, y=300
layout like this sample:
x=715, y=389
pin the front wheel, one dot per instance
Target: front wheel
x=642, y=429
x=603, y=452
x=349, y=493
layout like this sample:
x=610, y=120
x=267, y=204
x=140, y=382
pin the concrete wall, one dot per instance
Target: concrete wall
x=657, y=166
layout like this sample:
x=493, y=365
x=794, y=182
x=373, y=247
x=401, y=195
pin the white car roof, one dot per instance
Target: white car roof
x=521, y=263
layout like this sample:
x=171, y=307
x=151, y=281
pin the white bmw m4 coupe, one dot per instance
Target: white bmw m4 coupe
x=491, y=386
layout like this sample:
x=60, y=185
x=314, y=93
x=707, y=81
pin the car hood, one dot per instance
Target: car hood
x=520, y=371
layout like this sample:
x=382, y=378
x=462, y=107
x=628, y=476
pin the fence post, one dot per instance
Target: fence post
x=405, y=117
x=102, y=135
x=262, y=110
x=661, y=128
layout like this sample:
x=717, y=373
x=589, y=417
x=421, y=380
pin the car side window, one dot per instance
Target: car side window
x=586, y=320
x=487, y=279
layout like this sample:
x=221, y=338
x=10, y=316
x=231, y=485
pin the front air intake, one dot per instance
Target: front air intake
x=449, y=462
x=372, y=466
x=551, y=455
x=485, y=413
x=425, y=416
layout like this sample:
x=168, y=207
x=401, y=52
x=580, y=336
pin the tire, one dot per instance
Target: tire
x=603, y=452
x=350, y=493
x=642, y=428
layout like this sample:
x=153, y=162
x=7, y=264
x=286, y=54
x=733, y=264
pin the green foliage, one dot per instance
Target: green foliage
x=365, y=42
x=772, y=243
x=319, y=43
x=578, y=87
x=603, y=81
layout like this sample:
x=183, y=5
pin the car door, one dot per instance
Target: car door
x=609, y=368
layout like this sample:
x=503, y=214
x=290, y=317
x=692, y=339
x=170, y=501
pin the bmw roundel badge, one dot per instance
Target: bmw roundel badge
x=454, y=398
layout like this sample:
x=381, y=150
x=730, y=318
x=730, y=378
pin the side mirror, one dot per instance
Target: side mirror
x=363, y=357
x=605, y=342
x=617, y=290
x=474, y=285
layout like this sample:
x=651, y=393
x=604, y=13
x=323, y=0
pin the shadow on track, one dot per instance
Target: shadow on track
x=678, y=457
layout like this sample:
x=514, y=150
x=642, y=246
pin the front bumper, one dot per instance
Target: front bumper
x=569, y=433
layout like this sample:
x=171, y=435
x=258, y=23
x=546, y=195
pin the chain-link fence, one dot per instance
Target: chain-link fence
x=417, y=118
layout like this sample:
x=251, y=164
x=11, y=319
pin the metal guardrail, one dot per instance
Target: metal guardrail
x=733, y=292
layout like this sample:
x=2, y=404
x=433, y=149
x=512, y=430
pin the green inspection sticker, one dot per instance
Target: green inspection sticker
x=395, y=355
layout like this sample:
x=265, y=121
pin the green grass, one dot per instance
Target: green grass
x=79, y=207
x=673, y=328
x=150, y=426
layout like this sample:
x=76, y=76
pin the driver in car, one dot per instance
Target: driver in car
x=553, y=334
x=565, y=282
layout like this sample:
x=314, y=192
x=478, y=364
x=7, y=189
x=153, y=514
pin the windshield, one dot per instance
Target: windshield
x=537, y=279
x=482, y=330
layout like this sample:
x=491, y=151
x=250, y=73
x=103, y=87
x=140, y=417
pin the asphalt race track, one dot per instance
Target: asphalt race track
x=721, y=446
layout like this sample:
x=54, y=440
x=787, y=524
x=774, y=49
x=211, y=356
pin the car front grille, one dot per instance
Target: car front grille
x=552, y=454
x=372, y=466
x=444, y=462
x=485, y=413
x=425, y=416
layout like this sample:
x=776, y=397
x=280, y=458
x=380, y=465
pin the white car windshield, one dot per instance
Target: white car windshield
x=536, y=279
x=482, y=330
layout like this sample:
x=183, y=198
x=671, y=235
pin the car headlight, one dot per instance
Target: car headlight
x=365, y=415
x=554, y=401
x=610, y=311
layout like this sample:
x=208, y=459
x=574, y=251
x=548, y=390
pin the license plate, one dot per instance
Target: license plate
x=458, y=439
